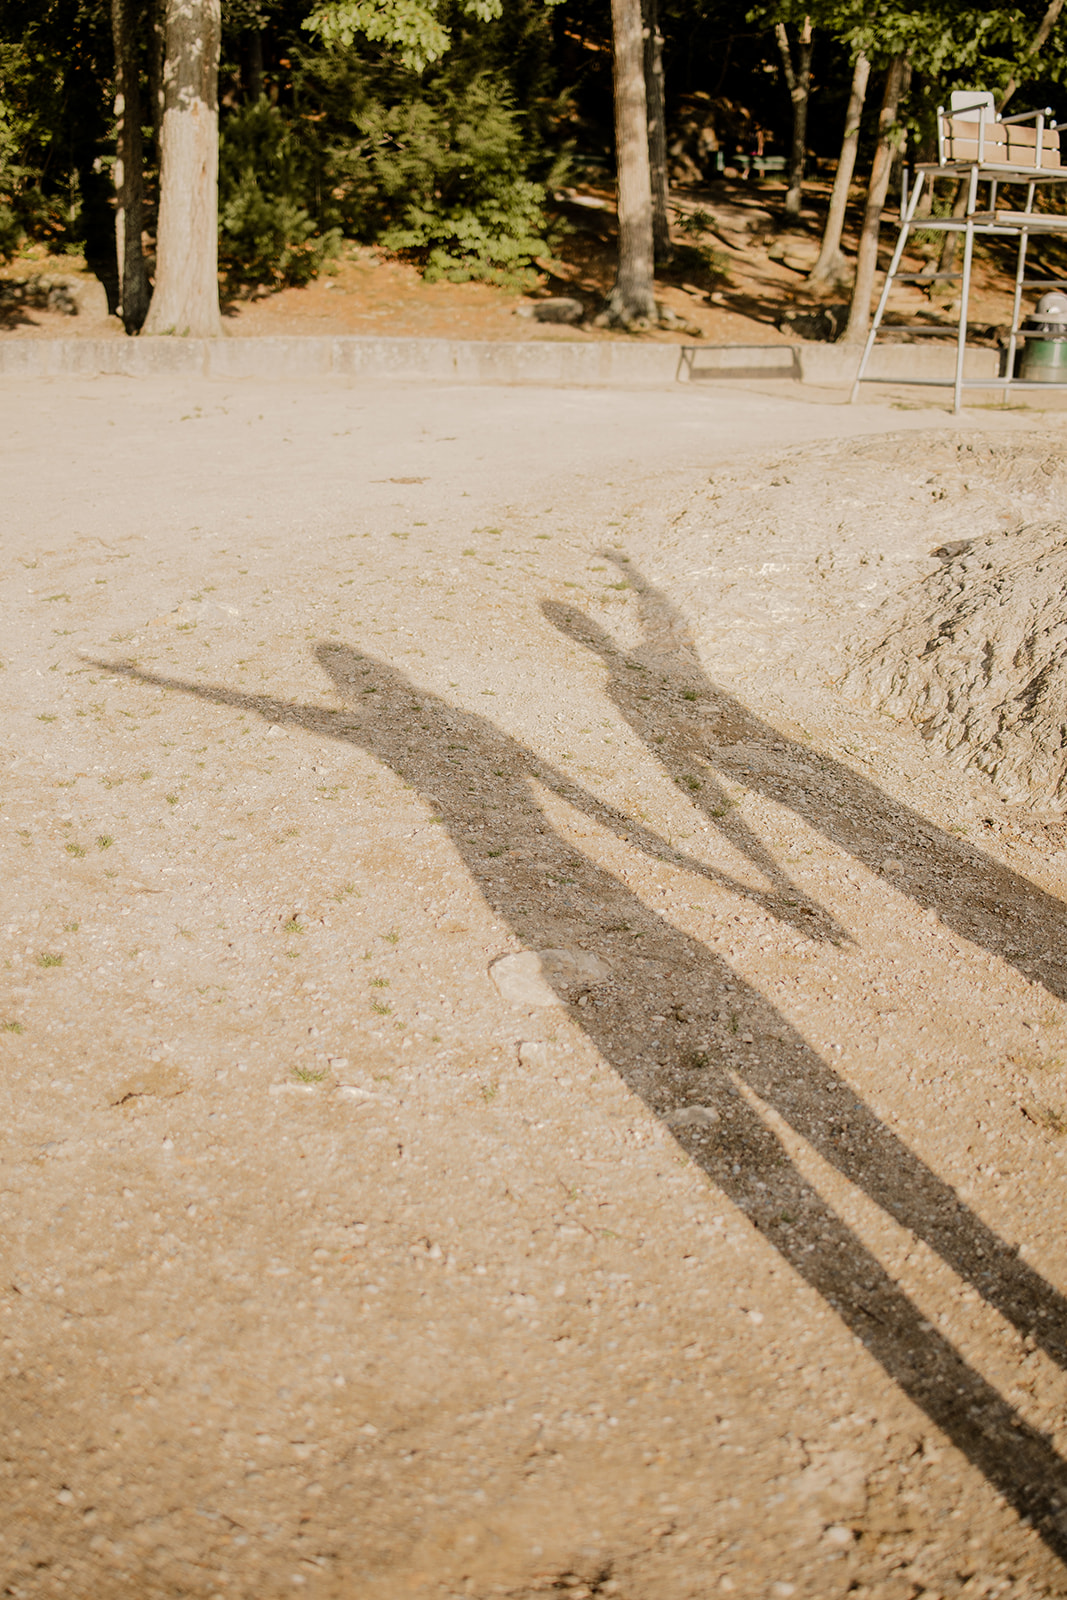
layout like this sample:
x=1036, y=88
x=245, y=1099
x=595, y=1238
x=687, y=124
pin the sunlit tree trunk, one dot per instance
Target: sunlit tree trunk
x=134, y=290
x=657, y=131
x=186, y=298
x=633, y=299
x=859, y=316
x=798, y=80
x=829, y=267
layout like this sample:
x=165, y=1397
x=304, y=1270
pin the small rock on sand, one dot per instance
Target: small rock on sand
x=692, y=1117
x=544, y=977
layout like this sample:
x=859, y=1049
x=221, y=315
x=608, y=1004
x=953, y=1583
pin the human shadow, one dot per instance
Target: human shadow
x=941, y=872
x=660, y=1019
x=976, y=896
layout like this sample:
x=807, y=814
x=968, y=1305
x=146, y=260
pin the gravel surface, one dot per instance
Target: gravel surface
x=607, y=1141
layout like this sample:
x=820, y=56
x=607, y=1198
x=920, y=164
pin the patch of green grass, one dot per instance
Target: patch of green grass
x=74, y=849
x=49, y=958
x=294, y=925
x=11, y=1027
x=104, y=841
x=43, y=716
x=71, y=927
x=687, y=781
x=689, y=694
x=171, y=799
x=489, y=1092
x=308, y=1075
x=381, y=1009
x=391, y=938
x=379, y=983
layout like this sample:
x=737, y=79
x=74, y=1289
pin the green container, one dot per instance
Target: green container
x=1044, y=360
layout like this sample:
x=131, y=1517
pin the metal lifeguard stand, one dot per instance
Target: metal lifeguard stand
x=989, y=153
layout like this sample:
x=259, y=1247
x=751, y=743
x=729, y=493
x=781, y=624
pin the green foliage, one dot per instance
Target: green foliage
x=54, y=89
x=11, y=234
x=266, y=236
x=445, y=171
x=414, y=29
x=440, y=167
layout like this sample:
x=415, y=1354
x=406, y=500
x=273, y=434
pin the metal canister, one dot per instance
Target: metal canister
x=1044, y=354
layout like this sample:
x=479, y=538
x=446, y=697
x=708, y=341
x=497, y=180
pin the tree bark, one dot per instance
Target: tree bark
x=831, y=263
x=1036, y=45
x=632, y=301
x=859, y=316
x=253, y=66
x=657, y=131
x=798, y=80
x=946, y=262
x=134, y=290
x=186, y=298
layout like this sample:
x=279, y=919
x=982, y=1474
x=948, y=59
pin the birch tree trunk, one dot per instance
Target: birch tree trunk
x=186, y=298
x=632, y=301
x=798, y=80
x=657, y=131
x=830, y=266
x=134, y=289
x=859, y=316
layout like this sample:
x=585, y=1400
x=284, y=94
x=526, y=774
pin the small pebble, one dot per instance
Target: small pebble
x=692, y=1117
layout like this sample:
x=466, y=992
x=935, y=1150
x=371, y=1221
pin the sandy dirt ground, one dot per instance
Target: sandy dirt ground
x=606, y=1141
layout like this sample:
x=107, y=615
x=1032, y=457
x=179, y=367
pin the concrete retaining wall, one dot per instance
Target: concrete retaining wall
x=552, y=363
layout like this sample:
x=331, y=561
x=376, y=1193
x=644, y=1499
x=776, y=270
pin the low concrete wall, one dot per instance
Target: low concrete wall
x=836, y=364
x=554, y=363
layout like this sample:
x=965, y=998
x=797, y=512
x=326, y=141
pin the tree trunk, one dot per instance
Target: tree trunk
x=186, y=298
x=831, y=263
x=1036, y=45
x=947, y=260
x=134, y=290
x=657, y=131
x=632, y=301
x=859, y=316
x=253, y=67
x=798, y=80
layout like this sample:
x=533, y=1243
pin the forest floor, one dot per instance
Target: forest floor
x=609, y=1142
x=737, y=274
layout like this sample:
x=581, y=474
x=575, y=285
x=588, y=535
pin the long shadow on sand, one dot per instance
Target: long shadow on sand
x=667, y=993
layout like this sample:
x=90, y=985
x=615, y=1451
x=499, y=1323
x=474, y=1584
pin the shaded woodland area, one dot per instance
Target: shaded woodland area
x=451, y=133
